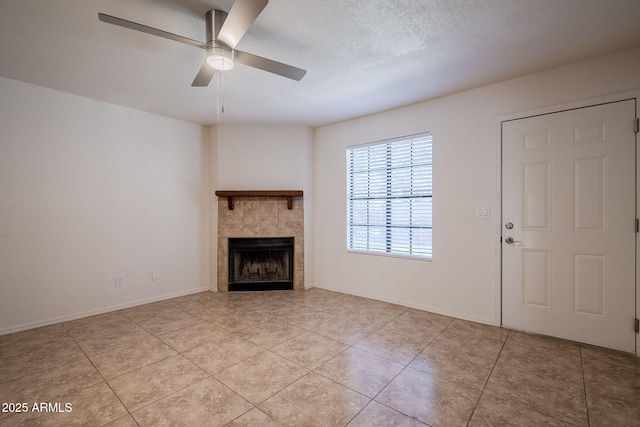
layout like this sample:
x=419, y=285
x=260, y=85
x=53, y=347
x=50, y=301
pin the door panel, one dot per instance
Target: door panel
x=536, y=196
x=568, y=263
x=536, y=278
x=589, y=190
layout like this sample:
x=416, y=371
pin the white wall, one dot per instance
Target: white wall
x=463, y=279
x=89, y=191
x=264, y=157
x=212, y=132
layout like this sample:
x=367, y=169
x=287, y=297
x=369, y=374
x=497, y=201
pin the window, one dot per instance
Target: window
x=389, y=197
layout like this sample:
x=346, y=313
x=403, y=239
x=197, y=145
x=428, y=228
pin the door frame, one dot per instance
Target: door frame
x=499, y=120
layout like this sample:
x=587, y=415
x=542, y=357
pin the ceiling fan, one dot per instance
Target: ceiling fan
x=224, y=31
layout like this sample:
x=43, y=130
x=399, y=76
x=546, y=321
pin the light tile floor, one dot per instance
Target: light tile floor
x=305, y=358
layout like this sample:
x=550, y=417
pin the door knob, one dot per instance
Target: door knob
x=510, y=241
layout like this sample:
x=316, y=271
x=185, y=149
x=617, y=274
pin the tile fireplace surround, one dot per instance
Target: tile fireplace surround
x=267, y=216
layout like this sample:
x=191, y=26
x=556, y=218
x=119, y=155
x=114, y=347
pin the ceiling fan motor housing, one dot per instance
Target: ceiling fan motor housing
x=219, y=55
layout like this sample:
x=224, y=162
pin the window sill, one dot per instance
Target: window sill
x=392, y=255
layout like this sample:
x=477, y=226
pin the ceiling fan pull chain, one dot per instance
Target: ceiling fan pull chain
x=219, y=94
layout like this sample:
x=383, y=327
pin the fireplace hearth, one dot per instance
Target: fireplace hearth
x=260, y=264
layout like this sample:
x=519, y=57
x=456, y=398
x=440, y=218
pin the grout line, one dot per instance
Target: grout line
x=255, y=305
x=489, y=376
x=148, y=364
x=584, y=386
x=549, y=415
x=373, y=399
x=104, y=380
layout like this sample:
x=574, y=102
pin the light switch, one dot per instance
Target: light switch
x=483, y=212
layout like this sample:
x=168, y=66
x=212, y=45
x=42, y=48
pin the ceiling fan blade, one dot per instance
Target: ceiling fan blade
x=269, y=65
x=149, y=30
x=240, y=18
x=204, y=76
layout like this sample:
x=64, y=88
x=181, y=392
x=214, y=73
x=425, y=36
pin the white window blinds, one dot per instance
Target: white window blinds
x=389, y=196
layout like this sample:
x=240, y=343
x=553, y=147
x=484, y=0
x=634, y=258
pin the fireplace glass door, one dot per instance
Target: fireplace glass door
x=259, y=264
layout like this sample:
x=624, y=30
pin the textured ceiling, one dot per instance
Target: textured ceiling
x=361, y=57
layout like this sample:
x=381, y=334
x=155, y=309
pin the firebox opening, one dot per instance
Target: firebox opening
x=260, y=264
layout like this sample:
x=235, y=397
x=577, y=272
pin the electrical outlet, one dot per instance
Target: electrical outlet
x=119, y=281
x=155, y=275
x=381, y=275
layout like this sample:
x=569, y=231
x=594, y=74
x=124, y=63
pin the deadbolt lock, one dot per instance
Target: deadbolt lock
x=508, y=226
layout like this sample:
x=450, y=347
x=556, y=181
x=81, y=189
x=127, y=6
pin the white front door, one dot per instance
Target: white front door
x=568, y=232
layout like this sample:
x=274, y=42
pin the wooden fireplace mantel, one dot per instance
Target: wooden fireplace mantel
x=230, y=194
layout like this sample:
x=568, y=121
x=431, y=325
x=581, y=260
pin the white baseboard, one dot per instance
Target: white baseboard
x=422, y=307
x=80, y=315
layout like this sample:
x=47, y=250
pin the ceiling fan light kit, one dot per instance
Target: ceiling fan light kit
x=220, y=57
x=224, y=31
